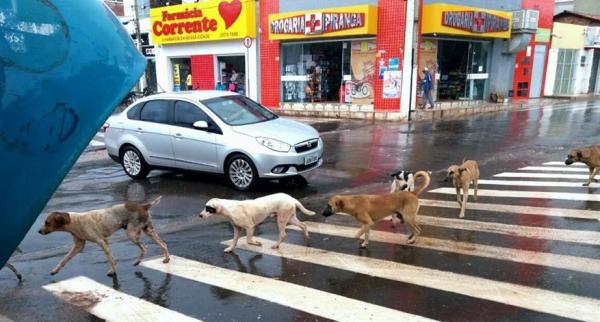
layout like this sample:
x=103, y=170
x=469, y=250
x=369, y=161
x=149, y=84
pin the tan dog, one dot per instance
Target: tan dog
x=462, y=177
x=369, y=209
x=248, y=214
x=97, y=225
x=590, y=156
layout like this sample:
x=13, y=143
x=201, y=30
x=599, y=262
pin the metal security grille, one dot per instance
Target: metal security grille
x=565, y=71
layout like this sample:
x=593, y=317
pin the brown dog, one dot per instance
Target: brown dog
x=368, y=209
x=590, y=156
x=97, y=225
x=462, y=177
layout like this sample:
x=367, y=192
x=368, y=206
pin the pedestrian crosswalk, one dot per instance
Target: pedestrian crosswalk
x=538, y=252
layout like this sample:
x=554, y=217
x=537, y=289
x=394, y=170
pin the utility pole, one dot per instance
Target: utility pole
x=138, y=37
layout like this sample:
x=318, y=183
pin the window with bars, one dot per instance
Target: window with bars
x=565, y=71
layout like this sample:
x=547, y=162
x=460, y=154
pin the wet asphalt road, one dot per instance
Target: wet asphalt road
x=359, y=156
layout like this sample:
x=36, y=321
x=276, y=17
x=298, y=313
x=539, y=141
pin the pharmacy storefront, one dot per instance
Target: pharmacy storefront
x=207, y=45
x=457, y=48
x=327, y=55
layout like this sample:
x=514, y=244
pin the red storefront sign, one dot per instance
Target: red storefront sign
x=475, y=21
x=318, y=23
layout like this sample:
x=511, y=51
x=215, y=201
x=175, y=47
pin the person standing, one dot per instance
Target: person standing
x=188, y=82
x=427, y=87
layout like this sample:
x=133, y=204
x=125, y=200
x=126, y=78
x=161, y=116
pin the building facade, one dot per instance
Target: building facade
x=475, y=48
x=351, y=53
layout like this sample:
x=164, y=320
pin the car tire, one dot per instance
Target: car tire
x=241, y=172
x=133, y=163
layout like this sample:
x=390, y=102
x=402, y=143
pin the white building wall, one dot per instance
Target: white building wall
x=583, y=71
x=551, y=72
x=164, y=53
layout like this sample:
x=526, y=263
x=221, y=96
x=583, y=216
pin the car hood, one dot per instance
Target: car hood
x=285, y=130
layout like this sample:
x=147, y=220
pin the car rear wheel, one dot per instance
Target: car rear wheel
x=241, y=172
x=133, y=163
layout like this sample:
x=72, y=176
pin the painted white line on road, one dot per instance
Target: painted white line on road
x=537, y=183
x=556, y=169
x=565, y=235
x=530, y=298
x=109, y=304
x=96, y=143
x=515, y=210
x=564, y=165
x=579, y=264
x=316, y=302
x=541, y=175
x=524, y=194
x=5, y=319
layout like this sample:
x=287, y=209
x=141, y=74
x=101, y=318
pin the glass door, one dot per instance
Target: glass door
x=477, y=70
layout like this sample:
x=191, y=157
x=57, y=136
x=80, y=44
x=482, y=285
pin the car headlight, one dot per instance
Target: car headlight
x=273, y=144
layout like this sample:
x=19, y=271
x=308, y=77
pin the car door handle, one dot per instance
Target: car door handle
x=178, y=135
x=139, y=130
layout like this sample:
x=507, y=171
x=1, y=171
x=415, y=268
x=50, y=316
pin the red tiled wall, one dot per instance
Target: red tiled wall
x=523, y=71
x=391, y=25
x=203, y=72
x=269, y=57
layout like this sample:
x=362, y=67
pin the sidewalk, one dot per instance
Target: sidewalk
x=443, y=110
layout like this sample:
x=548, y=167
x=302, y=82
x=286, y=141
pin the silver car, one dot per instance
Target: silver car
x=211, y=131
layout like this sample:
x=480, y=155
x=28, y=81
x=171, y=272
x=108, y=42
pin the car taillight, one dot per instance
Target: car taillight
x=104, y=127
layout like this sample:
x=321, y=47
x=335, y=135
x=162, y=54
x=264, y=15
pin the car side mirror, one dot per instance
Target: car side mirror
x=202, y=125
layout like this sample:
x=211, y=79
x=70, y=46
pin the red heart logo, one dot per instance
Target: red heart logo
x=230, y=11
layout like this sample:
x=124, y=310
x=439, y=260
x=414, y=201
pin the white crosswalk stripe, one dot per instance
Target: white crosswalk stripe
x=516, y=210
x=109, y=304
x=555, y=169
x=564, y=305
x=525, y=194
x=586, y=265
x=541, y=175
x=302, y=298
x=564, y=165
x=520, y=183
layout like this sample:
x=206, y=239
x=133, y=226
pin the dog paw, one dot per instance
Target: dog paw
x=137, y=262
x=166, y=260
x=275, y=247
x=461, y=216
x=111, y=274
x=228, y=250
x=364, y=245
x=259, y=244
x=585, y=184
x=54, y=272
x=19, y=277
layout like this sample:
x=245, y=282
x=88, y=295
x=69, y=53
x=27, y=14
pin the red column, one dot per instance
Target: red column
x=270, y=83
x=391, y=25
x=203, y=72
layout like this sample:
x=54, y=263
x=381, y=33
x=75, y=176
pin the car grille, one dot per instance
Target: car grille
x=306, y=145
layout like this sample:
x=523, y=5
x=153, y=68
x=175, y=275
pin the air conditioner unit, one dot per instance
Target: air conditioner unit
x=525, y=21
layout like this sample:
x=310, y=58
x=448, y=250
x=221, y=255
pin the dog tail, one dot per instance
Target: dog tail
x=153, y=203
x=426, y=181
x=304, y=210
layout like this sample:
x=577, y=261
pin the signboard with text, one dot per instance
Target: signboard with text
x=330, y=22
x=207, y=21
x=447, y=19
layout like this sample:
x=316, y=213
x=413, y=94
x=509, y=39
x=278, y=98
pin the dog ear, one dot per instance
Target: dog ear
x=339, y=204
x=462, y=169
x=61, y=218
x=585, y=153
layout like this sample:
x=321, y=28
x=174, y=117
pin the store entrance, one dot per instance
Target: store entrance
x=232, y=73
x=463, y=69
x=182, y=74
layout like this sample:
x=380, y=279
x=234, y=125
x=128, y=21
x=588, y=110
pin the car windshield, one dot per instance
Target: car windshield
x=238, y=110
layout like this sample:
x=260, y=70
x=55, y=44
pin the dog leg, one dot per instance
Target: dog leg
x=463, y=207
x=14, y=270
x=150, y=232
x=475, y=183
x=592, y=175
x=133, y=233
x=363, y=230
x=236, y=236
x=282, y=221
x=250, y=235
x=296, y=222
x=111, y=260
x=77, y=247
x=458, y=196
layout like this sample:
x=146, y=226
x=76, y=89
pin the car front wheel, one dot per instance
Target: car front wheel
x=133, y=163
x=241, y=172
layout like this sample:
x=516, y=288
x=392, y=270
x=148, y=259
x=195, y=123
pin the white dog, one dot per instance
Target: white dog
x=404, y=180
x=248, y=214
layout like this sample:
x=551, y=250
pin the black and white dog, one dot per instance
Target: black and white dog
x=403, y=180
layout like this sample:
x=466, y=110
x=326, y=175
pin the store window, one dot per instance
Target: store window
x=232, y=74
x=463, y=69
x=334, y=71
x=182, y=74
